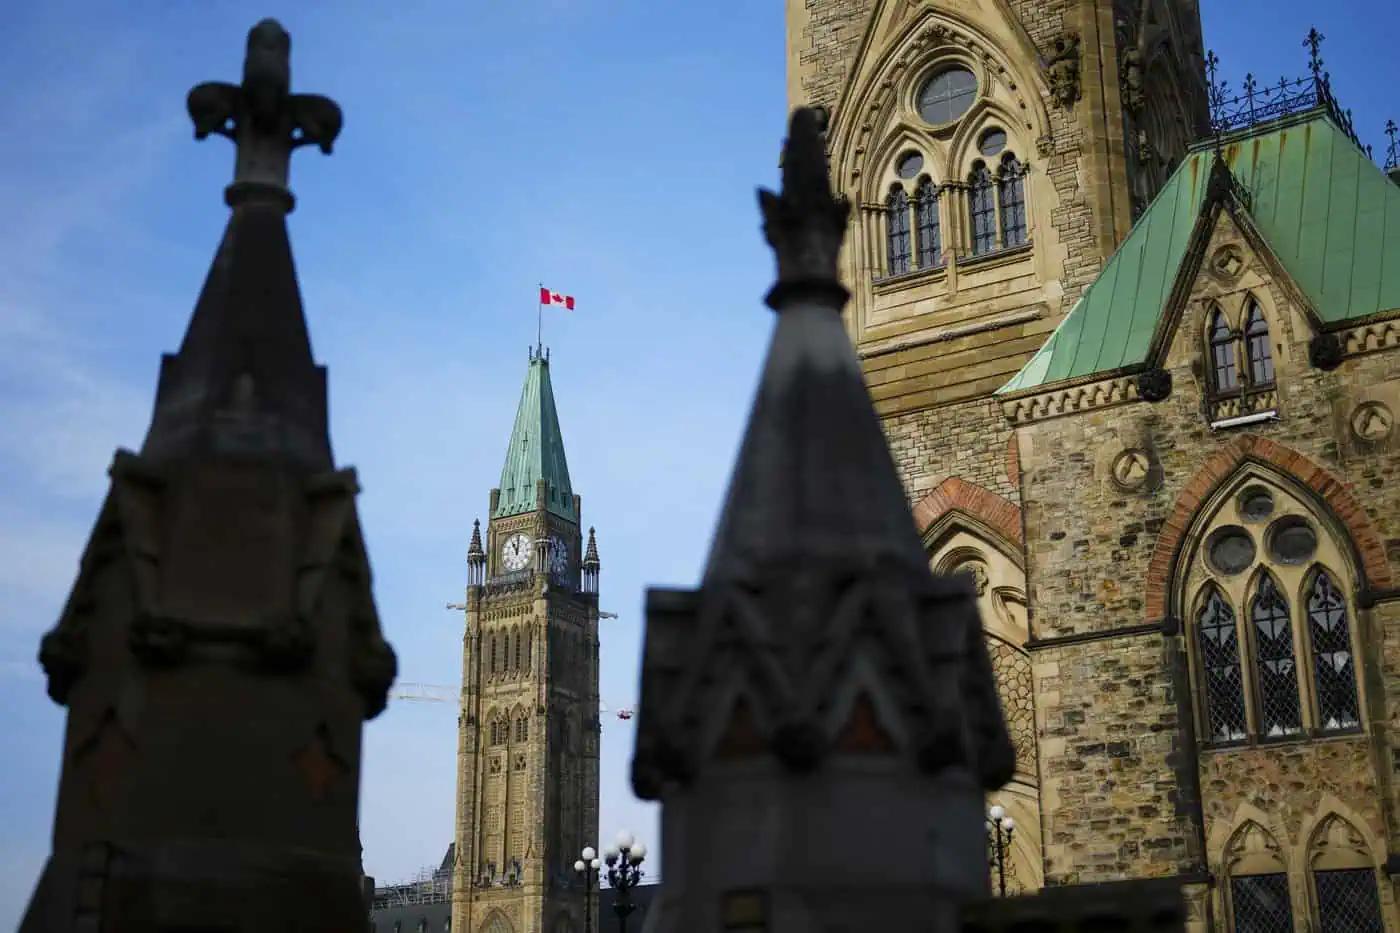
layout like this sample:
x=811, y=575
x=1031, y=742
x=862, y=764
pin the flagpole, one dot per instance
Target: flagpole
x=539, y=321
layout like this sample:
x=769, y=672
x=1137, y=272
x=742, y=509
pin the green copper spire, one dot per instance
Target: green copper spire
x=536, y=451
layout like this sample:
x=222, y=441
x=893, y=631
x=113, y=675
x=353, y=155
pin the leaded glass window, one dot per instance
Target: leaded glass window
x=1261, y=357
x=1276, y=666
x=1220, y=661
x=1011, y=195
x=947, y=95
x=981, y=210
x=928, y=232
x=1260, y=904
x=1347, y=901
x=522, y=729
x=897, y=231
x=1223, y=354
x=1334, y=670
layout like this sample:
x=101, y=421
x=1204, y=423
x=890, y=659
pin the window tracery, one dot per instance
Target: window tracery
x=1344, y=879
x=981, y=209
x=929, y=230
x=1241, y=359
x=897, y=231
x=1011, y=202
x=1266, y=578
x=1258, y=888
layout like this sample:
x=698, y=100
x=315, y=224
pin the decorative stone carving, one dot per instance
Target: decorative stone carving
x=1372, y=422
x=1227, y=263
x=1325, y=352
x=1131, y=79
x=1062, y=70
x=1013, y=676
x=1131, y=469
x=1154, y=385
x=978, y=572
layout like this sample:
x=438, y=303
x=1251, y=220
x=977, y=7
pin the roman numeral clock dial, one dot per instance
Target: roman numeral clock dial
x=515, y=553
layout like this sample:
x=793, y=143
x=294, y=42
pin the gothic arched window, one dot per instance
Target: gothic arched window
x=1275, y=665
x=1344, y=879
x=981, y=209
x=515, y=637
x=1256, y=335
x=1223, y=354
x=1011, y=201
x=1333, y=670
x=1259, y=900
x=522, y=728
x=897, y=231
x=928, y=231
x=495, y=652
x=1218, y=638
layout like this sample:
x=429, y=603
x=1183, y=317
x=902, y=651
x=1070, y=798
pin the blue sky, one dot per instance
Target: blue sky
x=608, y=148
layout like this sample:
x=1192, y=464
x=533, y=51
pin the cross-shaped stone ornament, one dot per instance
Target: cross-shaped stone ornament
x=264, y=120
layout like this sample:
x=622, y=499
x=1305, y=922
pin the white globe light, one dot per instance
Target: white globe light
x=593, y=864
x=639, y=851
x=578, y=866
x=1007, y=824
x=997, y=812
x=610, y=855
x=588, y=853
x=625, y=840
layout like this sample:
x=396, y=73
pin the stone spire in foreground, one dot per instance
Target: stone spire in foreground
x=819, y=719
x=221, y=647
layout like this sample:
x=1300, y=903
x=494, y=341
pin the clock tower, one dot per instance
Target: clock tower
x=527, y=762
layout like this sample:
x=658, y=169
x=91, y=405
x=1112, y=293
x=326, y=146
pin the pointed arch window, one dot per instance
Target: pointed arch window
x=1223, y=353
x=1011, y=202
x=1218, y=638
x=522, y=728
x=1333, y=667
x=1276, y=666
x=928, y=232
x=1260, y=904
x=981, y=209
x=516, y=637
x=1256, y=335
x=897, y=231
x=495, y=652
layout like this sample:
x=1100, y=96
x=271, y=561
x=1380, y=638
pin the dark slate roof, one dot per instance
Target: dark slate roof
x=536, y=450
x=1328, y=213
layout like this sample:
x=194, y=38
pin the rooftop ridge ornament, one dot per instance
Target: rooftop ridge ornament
x=264, y=120
x=1392, y=148
x=805, y=223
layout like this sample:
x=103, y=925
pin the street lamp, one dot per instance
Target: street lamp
x=588, y=868
x=999, y=829
x=624, y=872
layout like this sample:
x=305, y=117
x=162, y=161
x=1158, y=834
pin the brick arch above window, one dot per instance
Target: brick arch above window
x=1219, y=469
x=977, y=502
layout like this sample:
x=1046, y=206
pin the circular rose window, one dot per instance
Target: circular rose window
x=1256, y=504
x=1292, y=540
x=1230, y=550
x=947, y=95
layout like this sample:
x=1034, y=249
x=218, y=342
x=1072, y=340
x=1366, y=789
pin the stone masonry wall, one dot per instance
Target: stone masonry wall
x=828, y=45
x=968, y=440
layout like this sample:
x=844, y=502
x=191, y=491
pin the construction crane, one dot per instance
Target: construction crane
x=443, y=693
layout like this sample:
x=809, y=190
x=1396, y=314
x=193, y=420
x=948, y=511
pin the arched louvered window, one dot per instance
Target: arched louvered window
x=1256, y=335
x=1277, y=668
x=897, y=231
x=928, y=232
x=1334, y=669
x=1219, y=643
x=1223, y=354
x=1011, y=199
x=516, y=637
x=495, y=652
x=981, y=210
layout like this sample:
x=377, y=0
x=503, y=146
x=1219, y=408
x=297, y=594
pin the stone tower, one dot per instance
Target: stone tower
x=995, y=153
x=220, y=649
x=527, y=778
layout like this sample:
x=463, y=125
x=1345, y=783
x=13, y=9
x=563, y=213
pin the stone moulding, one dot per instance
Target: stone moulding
x=953, y=331
x=1376, y=335
x=1069, y=400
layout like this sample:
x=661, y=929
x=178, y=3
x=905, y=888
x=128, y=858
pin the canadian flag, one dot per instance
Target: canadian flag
x=548, y=297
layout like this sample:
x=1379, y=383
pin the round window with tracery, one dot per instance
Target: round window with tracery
x=947, y=95
x=1230, y=550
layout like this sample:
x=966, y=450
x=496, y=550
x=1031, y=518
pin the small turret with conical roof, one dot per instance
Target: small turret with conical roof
x=591, y=564
x=476, y=557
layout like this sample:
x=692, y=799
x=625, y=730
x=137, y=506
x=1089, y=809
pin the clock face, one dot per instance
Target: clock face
x=515, y=555
x=559, y=556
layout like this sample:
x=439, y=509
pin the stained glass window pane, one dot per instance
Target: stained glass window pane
x=930, y=236
x=982, y=211
x=1011, y=190
x=1332, y=660
x=1347, y=901
x=1222, y=354
x=909, y=165
x=897, y=231
x=1261, y=357
x=1220, y=661
x=1260, y=904
x=947, y=95
x=1279, y=713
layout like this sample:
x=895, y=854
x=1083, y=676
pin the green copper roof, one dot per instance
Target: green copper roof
x=536, y=451
x=1328, y=213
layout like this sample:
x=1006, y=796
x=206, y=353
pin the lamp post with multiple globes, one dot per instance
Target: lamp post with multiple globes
x=587, y=867
x=999, y=829
x=624, y=873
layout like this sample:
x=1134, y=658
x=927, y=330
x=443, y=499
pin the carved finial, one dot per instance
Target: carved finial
x=590, y=554
x=1392, y=149
x=1313, y=43
x=264, y=120
x=805, y=224
x=474, y=550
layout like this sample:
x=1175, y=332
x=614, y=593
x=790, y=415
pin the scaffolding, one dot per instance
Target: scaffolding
x=428, y=886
